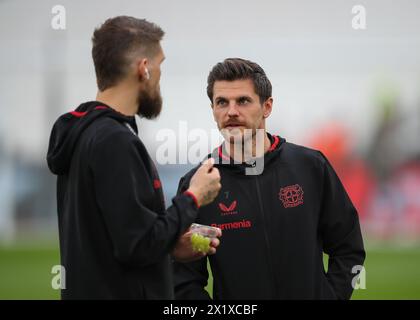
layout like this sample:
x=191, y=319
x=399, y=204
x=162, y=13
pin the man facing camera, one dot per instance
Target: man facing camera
x=276, y=222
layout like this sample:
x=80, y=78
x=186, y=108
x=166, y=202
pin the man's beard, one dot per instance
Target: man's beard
x=149, y=106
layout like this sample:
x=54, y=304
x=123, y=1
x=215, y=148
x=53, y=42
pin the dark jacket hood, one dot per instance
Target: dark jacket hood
x=69, y=127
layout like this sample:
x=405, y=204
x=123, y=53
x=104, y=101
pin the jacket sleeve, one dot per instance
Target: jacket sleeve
x=341, y=234
x=123, y=186
x=190, y=279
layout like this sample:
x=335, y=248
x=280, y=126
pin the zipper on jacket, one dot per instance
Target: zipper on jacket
x=267, y=241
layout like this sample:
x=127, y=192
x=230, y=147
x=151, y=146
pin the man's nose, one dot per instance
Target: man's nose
x=233, y=109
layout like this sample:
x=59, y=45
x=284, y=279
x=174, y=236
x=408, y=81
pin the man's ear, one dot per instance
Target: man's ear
x=142, y=69
x=268, y=107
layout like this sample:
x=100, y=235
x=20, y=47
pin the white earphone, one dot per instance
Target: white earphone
x=146, y=71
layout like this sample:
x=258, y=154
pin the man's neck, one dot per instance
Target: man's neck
x=248, y=151
x=120, y=99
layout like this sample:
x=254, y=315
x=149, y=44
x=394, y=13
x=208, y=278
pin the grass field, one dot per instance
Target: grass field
x=25, y=273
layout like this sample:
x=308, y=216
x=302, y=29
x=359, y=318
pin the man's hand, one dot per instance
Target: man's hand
x=205, y=183
x=183, y=251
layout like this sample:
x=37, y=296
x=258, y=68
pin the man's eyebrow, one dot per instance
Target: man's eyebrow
x=220, y=98
x=244, y=97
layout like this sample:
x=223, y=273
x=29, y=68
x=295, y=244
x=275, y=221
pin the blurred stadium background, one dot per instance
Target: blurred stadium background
x=354, y=94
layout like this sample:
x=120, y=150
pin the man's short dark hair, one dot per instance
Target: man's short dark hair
x=240, y=69
x=115, y=40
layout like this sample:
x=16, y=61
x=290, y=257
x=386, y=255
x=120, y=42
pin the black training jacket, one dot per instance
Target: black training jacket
x=115, y=234
x=275, y=227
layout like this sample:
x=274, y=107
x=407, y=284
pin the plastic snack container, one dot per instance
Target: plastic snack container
x=201, y=236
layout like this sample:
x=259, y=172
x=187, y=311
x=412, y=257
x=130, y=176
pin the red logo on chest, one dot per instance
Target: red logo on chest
x=228, y=209
x=291, y=196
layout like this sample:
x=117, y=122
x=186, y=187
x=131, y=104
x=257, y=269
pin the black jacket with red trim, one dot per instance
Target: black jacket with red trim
x=276, y=226
x=115, y=234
